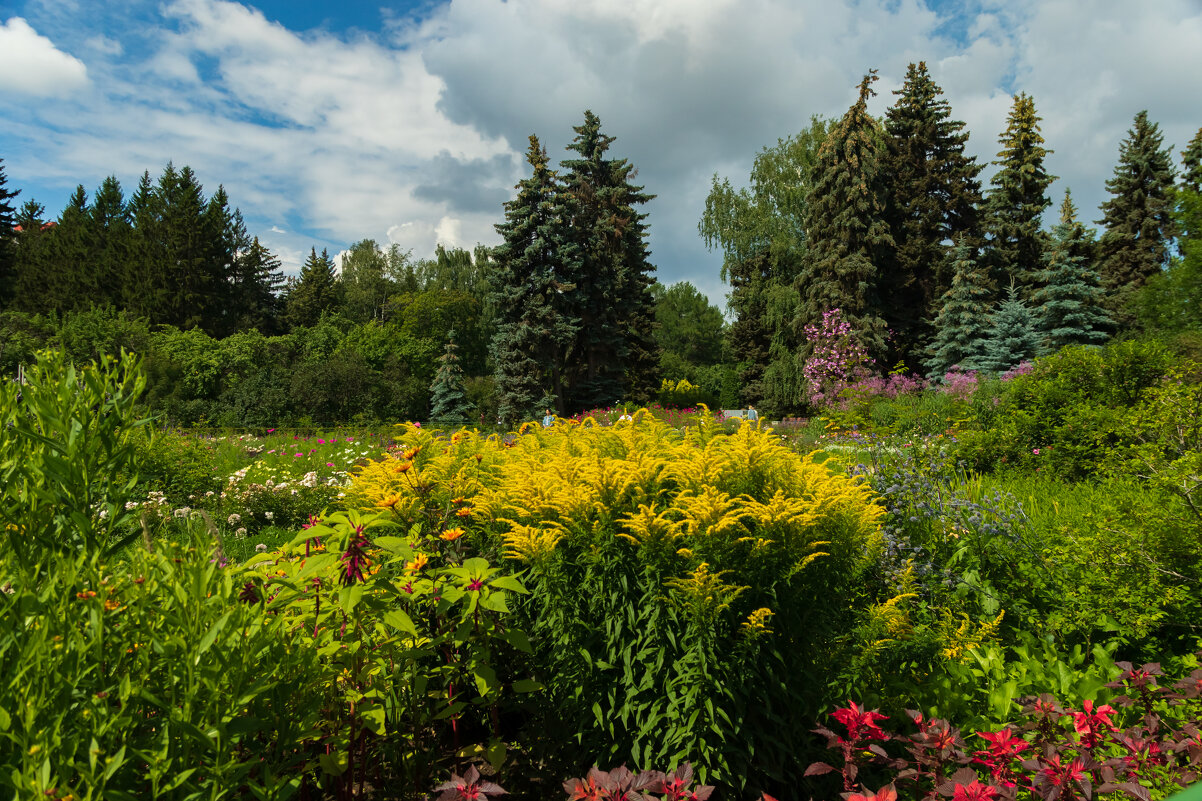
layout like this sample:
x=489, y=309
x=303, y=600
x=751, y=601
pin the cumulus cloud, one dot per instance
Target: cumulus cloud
x=30, y=64
x=414, y=134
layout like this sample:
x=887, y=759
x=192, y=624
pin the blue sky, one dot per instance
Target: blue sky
x=406, y=122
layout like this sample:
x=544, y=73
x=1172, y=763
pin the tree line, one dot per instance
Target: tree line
x=888, y=221
x=885, y=219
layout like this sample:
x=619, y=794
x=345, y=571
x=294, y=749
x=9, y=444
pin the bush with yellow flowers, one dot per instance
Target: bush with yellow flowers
x=685, y=583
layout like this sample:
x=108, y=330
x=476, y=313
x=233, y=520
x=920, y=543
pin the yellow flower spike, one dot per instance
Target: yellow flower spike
x=757, y=622
x=531, y=543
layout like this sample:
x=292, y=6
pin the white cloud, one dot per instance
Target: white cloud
x=30, y=64
x=415, y=135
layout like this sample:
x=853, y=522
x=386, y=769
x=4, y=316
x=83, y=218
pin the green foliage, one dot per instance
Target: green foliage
x=1015, y=204
x=1069, y=304
x=534, y=279
x=616, y=354
x=1138, y=218
x=448, y=401
x=315, y=293
x=1071, y=410
x=847, y=234
x=67, y=453
x=934, y=197
x=962, y=326
x=1012, y=337
x=761, y=232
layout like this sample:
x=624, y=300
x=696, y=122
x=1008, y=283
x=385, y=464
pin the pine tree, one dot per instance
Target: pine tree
x=110, y=239
x=448, y=402
x=1138, y=218
x=1068, y=306
x=846, y=229
x=617, y=352
x=935, y=198
x=256, y=284
x=32, y=262
x=1012, y=338
x=533, y=282
x=315, y=292
x=8, y=240
x=1017, y=200
x=963, y=324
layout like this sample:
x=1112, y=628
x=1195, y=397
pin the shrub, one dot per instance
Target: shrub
x=676, y=579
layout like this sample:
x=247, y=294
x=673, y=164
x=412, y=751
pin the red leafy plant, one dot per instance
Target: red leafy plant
x=1056, y=754
x=467, y=787
x=620, y=784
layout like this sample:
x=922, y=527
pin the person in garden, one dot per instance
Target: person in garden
x=548, y=418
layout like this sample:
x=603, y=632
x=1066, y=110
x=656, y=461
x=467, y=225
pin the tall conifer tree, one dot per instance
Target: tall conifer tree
x=315, y=292
x=963, y=324
x=1068, y=305
x=1016, y=201
x=934, y=198
x=448, y=402
x=1138, y=218
x=533, y=282
x=1012, y=337
x=8, y=239
x=847, y=236
x=617, y=351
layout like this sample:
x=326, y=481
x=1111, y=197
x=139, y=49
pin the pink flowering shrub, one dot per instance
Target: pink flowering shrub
x=960, y=384
x=837, y=359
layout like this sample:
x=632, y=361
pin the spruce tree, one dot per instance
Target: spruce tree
x=1012, y=337
x=8, y=239
x=533, y=280
x=963, y=324
x=33, y=256
x=315, y=292
x=1068, y=306
x=934, y=198
x=617, y=352
x=256, y=283
x=846, y=229
x=1138, y=218
x=1016, y=201
x=448, y=402
x=1191, y=163
x=110, y=235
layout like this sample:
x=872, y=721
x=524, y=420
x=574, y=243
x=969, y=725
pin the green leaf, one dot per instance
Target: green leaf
x=206, y=641
x=486, y=678
x=509, y=583
x=518, y=639
x=527, y=686
x=399, y=620
x=373, y=720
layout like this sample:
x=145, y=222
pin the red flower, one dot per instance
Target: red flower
x=974, y=792
x=1091, y=724
x=860, y=723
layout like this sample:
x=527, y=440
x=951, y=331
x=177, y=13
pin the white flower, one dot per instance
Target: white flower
x=182, y=512
x=240, y=533
x=269, y=515
x=234, y=519
x=261, y=548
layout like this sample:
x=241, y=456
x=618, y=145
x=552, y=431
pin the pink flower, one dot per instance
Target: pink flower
x=298, y=454
x=1035, y=451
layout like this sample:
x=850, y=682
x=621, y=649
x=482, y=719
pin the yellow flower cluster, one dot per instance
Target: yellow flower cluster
x=685, y=499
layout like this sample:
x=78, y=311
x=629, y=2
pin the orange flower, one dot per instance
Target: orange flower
x=451, y=534
x=420, y=561
x=112, y=604
x=389, y=502
x=403, y=467
x=464, y=512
